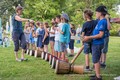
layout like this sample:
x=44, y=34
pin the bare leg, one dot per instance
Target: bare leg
x=22, y=55
x=87, y=59
x=103, y=60
x=52, y=47
x=16, y=55
x=72, y=51
x=97, y=69
x=63, y=55
x=46, y=48
x=59, y=54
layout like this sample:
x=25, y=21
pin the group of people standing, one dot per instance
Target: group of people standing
x=95, y=35
x=40, y=35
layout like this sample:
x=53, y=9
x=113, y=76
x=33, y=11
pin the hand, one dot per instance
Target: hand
x=42, y=41
x=86, y=38
x=30, y=20
x=72, y=34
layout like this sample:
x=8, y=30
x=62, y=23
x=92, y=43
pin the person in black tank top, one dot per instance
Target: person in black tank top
x=18, y=34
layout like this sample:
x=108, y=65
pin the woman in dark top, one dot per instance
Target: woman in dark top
x=18, y=34
x=71, y=44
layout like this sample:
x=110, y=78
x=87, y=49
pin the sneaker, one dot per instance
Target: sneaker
x=24, y=59
x=103, y=66
x=70, y=55
x=94, y=77
x=87, y=70
x=18, y=60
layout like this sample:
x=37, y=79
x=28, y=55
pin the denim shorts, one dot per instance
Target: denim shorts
x=57, y=46
x=63, y=46
x=87, y=47
x=105, y=48
x=19, y=40
x=96, y=52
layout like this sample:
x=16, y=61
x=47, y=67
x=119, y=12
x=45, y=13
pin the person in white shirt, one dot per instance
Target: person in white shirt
x=52, y=37
x=78, y=32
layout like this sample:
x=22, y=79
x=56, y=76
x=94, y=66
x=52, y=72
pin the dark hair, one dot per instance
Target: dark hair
x=38, y=23
x=104, y=14
x=73, y=26
x=32, y=22
x=88, y=12
x=46, y=24
x=66, y=21
x=19, y=8
x=53, y=23
x=102, y=9
x=58, y=16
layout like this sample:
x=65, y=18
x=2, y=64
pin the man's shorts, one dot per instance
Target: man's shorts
x=96, y=52
x=19, y=40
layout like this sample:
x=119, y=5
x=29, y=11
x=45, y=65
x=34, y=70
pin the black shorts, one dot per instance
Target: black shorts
x=52, y=39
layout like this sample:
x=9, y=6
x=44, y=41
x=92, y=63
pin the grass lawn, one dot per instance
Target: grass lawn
x=38, y=69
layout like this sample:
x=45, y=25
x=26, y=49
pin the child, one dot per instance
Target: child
x=71, y=44
x=106, y=41
x=32, y=35
x=57, y=36
x=87, y=30
x=98, y=40
x=64, y=34
x=52, y=37
x=78, y=32
x=46, y=37
x=27, y=33
x=40, y=32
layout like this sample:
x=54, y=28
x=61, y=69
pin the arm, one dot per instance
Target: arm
x=100, y=35
x=108, y=22
x=115, y=20
x=18, y=18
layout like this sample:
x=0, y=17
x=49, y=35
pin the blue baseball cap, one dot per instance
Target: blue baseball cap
x=65, y=15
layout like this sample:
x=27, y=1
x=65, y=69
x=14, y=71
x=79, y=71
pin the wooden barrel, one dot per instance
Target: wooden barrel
x=28, y=51
x=79, y=69
x=62, y=67
x=43, y=55
x=32, y=52
x=37, y=53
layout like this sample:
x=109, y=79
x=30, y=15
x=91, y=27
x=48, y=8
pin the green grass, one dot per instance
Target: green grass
x=38, y=69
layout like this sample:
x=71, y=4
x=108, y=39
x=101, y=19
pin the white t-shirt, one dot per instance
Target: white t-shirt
x=57, y=33
x=52, y=30
x=78, y=31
